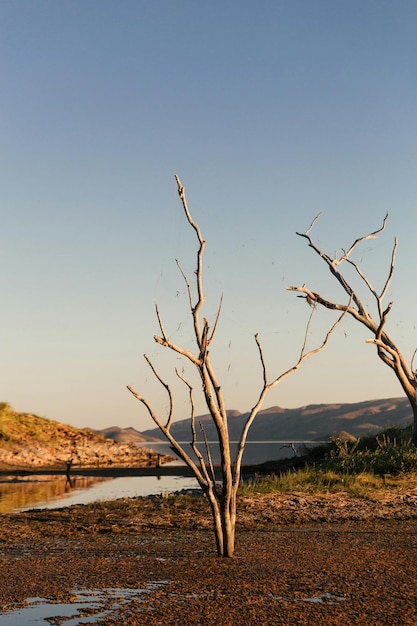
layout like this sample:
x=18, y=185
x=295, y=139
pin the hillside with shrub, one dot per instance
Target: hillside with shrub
x=31, y=442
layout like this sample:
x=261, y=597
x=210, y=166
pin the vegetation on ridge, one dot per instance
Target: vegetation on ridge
x=25, y=428
x=365, y=467
x=31, y=442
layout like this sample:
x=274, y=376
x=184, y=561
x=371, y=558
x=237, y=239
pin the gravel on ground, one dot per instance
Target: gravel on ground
x=300, y=560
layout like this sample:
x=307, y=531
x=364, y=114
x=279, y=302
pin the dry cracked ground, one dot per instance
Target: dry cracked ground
x=300, y=560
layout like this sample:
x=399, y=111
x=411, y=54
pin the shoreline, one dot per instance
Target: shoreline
x=120, y=471
x=177, y=470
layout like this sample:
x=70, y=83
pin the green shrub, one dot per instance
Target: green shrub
x=392, y=460
x=361, y=467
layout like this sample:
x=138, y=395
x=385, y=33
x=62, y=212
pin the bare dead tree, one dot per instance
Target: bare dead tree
x=222, y=500
x=387, y=349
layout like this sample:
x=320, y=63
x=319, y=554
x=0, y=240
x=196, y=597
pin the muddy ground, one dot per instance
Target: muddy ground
x=300, y=560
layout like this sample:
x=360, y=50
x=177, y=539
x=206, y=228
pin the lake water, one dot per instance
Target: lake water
x=256, y=452
x=20, y=493
x=53, y=492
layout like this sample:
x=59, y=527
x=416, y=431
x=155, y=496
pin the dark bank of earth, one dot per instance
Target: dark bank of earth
x=299, y=559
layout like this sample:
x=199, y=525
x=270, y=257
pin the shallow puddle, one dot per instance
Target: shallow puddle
x=324, y=598
x=88, y=606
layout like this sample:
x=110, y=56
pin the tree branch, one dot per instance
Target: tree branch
x=193, y=430
x=315, y=298
x=360, y=239
x=174, y=443
x=164, y=335
x=190, y=299
x=216, y=321
x=391, y=270
x=387, y=349
x=168, y=344
x=168, y=389
x=333, y=263
x=268, y=386
x=209, y=458
x=199, y=270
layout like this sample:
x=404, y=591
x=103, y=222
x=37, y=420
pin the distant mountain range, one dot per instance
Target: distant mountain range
x=29, y=441
x=126, y=435
x=307, y=423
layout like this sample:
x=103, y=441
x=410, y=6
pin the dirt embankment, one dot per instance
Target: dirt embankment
x=30, y=442
x=78, y=452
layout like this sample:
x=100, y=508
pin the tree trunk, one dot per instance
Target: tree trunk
x=228, y=523
x=217, y=524
x=223, y=505
x=223, y=511
x=224, y=529
x=409, y=386
x=413, y=403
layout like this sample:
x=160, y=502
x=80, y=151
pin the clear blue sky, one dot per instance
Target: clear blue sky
x=270, y=112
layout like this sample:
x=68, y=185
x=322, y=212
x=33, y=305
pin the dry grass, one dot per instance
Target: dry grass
x=323, y=481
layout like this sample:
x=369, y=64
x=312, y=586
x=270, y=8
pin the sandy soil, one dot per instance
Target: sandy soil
x=300, y=560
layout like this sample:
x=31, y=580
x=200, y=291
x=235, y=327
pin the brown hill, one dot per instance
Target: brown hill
x=124, y=435
x=31, y=442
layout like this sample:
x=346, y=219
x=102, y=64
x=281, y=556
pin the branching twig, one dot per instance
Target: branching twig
x=190, y=298
x=209, y=458
x=311, y=225
x=193, y=430
x=164, y=335
x=261, y=358
x=174, y=443
x=412, y=363
x=217, y=320
x=223, y=504
x=167, y=387
x=387, y=349
x=391, y=270
x=332, y=265
x=268, y=386
x=360, y=239
x=199, y=270
x=169, y=344
x=306, y=333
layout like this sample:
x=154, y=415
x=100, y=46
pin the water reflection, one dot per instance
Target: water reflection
x=25, y=492
x=51, y=492
x=99, y=603
x=20, y=492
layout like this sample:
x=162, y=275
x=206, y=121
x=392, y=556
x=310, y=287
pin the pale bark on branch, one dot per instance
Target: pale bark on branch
x=268, y=386
x=387, y=349
x=222, y=502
